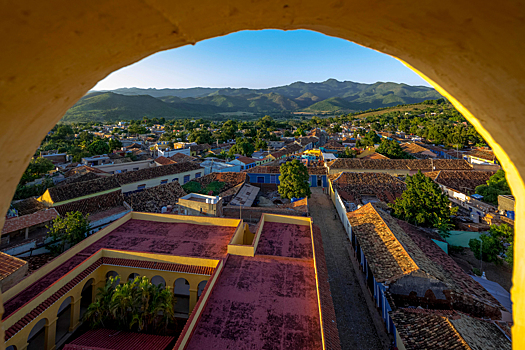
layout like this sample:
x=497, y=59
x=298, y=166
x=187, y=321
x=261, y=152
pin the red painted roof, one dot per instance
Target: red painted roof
x=21, y=222
x=164, y=161
x=286, y=240
x=261, y=302
x=180, y=239
x=108, y=339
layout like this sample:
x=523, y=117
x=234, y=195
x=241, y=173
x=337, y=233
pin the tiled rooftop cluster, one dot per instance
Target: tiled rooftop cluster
x=433, y=329
x=307, y=139
x=415, y=150
x=28, y=206
x=151, y=200
x=352, y=186
x=79, y=178
x=80, y=189
x=93, y=205
x=9, y=264
x=400, y=164
x=462, y=181
x=164, y=161
x=180, y=157
x=202, y=147
x=82, y=170
x=268, y=169
x=483, y=154
x=395, y=249
x=21, y=222
x=333, y=145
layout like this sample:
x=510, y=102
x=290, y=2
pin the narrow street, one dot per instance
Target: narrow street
x=354, y=322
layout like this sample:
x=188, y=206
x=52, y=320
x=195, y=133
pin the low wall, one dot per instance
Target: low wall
x=255, y=213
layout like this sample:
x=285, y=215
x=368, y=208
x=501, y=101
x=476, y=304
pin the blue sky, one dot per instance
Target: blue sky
x=261, y=59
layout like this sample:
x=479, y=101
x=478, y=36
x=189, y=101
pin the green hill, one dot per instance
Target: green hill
x=329, y=96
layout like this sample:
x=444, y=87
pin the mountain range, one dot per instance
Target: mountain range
x=330, y=96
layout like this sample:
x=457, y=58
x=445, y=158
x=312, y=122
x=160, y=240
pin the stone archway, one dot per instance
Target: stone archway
x=55, y=51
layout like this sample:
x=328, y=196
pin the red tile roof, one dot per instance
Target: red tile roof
x=353, y=186
x=21, y=222
x=164, y=161
x=108, y=339
x=9, y=264
x=93, y=205
x=246, y=160
x=462, y=181
x=400, y=164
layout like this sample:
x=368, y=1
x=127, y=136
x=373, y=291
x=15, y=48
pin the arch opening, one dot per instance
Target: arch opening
x=454, y=59
x=181, y=289
x=37, y=337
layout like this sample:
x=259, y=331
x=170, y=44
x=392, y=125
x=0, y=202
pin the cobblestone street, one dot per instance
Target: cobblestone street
x=354, y=322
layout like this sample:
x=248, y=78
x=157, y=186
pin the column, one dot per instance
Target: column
x=23, y=347
x=74, y=320
x=27, y=232
x=193, y=299
x=94, y=289
x=51, y=330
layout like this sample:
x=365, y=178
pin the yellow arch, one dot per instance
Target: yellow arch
x=55, y=51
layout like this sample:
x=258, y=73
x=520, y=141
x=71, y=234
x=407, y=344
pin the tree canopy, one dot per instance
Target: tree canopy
x=499, y=240
x=98, y=147
x=423, y=203
x=136, y=305
x=392, y=150
x=294, y=180
x=67, y=231
x=496, y=185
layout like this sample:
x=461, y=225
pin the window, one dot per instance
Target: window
x=124, y=170
x=198, y=175
x=260, y=179
x=186, y=178
x=273, y=179
x=135, y=169
x=163, y=181
x=175, y=179
x=141, y=187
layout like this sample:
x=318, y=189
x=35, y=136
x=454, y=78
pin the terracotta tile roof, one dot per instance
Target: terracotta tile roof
x=456, y=277
x=278, y=154
x=426, y=331
x=151, y=200
x=180, y=157
x=75, y=190
x=81, y=275
x=202, y=147
x=413, y=148
x=483, y=154
x=80, y=189
x=383, y=186
x=269, y=169
x=79, y=178
x=292, y=148
x=28, y=206
x=94, y=204
x=108, y=339
x=432, y=329
x=84, y=169
x=164, y=161
x=375, y=155
x=400, y=164
x=461, y=181
x=333, y=145
x=385, y=253
x=30, y=220
x=308, y=139
x=9, y=264
x=245, y=160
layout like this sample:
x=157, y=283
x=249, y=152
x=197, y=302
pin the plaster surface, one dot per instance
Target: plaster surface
x=286, y=240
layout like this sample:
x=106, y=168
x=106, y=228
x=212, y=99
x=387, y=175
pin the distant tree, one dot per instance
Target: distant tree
x=137, y=129
x=261, y=144
x=294, y=180
x=114, y=144
x=370, y=139
x=242, y=146
x=98, y=147
x=423, y=203
x=392, y=150
x=201, y=137
x=85, y=136
x=494, y=243
x=36, y=168
x=67, y=231
x=496, y=185
x=348, y=153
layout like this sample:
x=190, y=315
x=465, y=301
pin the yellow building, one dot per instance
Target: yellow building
x=214, y=265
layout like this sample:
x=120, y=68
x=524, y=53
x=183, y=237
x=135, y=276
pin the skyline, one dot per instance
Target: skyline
x=261, y=59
